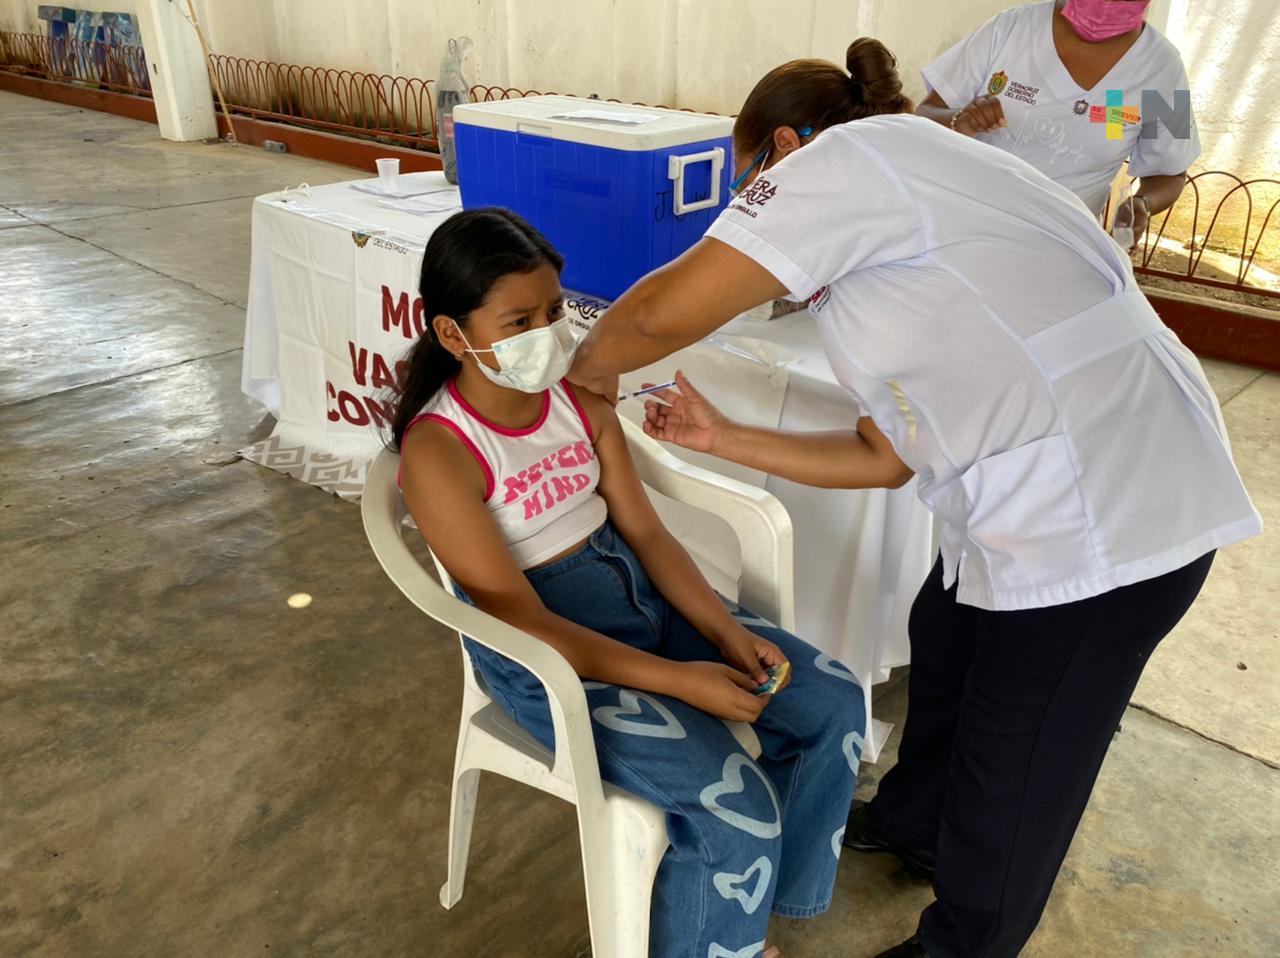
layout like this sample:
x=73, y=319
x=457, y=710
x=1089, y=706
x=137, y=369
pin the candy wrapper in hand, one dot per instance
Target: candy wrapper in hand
x=777, y=675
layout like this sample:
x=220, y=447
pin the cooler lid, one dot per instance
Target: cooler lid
x=616, y=126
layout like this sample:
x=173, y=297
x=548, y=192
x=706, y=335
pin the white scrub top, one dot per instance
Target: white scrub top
x=1055, y=125
x=1064, y=438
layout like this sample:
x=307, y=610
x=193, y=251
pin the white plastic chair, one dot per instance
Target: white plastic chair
x=623, y=837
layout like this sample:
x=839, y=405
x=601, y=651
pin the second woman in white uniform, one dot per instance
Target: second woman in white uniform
x=1069, y=445
x=1042, y=81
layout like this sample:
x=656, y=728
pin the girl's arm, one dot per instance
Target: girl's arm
x=444, y=488
x=670, y=308
x=664, y=559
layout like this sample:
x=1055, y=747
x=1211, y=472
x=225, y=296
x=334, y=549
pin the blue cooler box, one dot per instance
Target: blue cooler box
x=620, y=190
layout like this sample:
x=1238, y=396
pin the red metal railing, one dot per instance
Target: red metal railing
x=480, y=93
x=1157, y=260
x=393, y=109
x=118, y=68
x=486, y=94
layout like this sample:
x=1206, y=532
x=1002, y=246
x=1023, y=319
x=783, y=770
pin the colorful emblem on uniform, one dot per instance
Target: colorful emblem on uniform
x=1116, y=115
x=998, y=82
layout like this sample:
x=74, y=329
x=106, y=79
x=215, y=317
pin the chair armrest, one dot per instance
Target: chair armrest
x=761, y=523
x=575, y=755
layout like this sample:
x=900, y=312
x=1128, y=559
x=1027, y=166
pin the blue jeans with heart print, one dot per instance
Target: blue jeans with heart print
x=748, y=838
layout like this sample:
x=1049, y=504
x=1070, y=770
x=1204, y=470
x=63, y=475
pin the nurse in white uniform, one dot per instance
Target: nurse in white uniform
x=1035, y=81
x=998, y=348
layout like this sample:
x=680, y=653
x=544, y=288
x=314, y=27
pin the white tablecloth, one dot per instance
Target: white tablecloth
x=332, y=307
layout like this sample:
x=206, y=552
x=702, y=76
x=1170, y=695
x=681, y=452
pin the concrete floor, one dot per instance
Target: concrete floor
x=189, y=767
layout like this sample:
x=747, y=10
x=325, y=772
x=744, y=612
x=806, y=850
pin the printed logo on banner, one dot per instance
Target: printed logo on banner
x=383, y=243
x=364, y=338
x=583, y=311
x=588, y=307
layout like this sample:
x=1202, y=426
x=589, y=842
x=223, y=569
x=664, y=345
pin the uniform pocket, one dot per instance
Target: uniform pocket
x=1026, y=515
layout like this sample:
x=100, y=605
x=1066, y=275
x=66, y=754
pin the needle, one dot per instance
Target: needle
x=646, y=391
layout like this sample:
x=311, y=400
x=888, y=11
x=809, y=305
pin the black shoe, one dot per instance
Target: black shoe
x=911, y=948
x=861, y=834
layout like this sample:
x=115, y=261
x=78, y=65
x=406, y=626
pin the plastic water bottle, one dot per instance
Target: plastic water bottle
x=451, y=89
x=1122, y=222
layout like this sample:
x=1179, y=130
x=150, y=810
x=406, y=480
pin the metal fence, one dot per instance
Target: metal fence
x=392, y=109
x=1236, y=236
x=401, y=110
x=119, y=69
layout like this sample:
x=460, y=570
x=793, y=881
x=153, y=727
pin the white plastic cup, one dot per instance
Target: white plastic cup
x=389, y=175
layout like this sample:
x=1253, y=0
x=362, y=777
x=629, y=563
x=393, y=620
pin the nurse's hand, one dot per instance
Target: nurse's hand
x=684, y=418
x=982, y=115
x=1141, y=220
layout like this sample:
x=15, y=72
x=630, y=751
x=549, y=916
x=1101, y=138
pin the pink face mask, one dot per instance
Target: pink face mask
x=1097, y=20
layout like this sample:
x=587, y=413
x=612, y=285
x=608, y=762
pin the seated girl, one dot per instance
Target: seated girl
x=525, y=491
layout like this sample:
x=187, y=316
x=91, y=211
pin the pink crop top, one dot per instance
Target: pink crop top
x=541, y=481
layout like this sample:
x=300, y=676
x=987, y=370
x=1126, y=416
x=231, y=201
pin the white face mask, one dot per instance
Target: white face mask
x=531, y=361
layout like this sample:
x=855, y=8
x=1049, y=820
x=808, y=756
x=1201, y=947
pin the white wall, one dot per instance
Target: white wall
x=20, y=16
x=1232, y=52
x=706, y=54
x=245, y=28
x=698, y=53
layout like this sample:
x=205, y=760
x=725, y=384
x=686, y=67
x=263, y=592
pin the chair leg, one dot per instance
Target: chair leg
x=462, y=813
x=619, y=863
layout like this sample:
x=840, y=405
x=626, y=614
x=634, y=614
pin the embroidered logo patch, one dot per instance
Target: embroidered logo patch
x=998, y=82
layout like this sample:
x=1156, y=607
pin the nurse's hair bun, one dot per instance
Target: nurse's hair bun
x=817, y=94
x=873, y=77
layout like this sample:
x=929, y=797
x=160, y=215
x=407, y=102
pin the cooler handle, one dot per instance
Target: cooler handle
x=675, y=171
x=533, y=134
